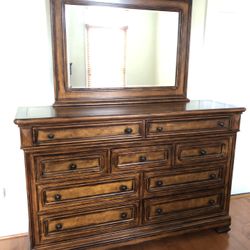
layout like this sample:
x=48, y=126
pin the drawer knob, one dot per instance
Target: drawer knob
x=159, y=211
x=212, y=176
x=123, y=188
x=128, y=130
x=72, y=166
x=51, y=136
x=124, y=215
x=203, y=152
x=142, y=158
x=59, y=226
x=159, y=129
x=221, y=124
x=159, y=183
x=58, y=197
x=211, y=202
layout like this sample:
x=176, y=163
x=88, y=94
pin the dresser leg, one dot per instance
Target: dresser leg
x=224, y=229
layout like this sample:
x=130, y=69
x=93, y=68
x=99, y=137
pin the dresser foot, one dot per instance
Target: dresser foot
x=224, y=229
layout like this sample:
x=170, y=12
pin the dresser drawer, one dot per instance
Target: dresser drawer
x=164, y=209
x=88, y=192
x=65, y=165
x=161, y=127
x=86, y=223
x=139, y=157
x=165, y=183
x=202, y=151
x=87, y=132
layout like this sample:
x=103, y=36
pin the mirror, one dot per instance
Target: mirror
x=111, y=47
x=120, y=52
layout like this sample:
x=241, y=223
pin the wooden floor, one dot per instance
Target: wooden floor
x=237, y=239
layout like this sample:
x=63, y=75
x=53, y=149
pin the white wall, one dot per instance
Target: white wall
x=26, y=79
x=140, y=61
x=166, y=49
x=219, y=67
x=75, y=31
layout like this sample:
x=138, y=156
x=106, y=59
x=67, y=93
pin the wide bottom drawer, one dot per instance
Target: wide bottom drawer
x=88, y=222
x=167, y=209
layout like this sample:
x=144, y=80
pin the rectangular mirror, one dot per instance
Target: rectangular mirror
x=120, y=51
x=110, y=47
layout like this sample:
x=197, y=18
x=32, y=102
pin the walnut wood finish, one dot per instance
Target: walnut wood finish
x=237, y=238
x=68, y=96
x=135, y=188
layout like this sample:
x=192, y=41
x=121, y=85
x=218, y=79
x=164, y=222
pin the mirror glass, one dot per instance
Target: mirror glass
x=110, y=47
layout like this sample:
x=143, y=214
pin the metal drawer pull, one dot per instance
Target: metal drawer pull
x=128, y=130
x=58, y=197
x=124, y=215
x=159, y=129
x=159, y=183
x=142, y=158
x=59, y=226
x=51, y=136
x=212, y=176
x=123, y=188
x=159, y=211
x=72, y=166
x=211, y=202
x=221, y=124
x=203, y=152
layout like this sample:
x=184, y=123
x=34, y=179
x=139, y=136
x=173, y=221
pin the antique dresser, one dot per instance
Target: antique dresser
x=111, y=165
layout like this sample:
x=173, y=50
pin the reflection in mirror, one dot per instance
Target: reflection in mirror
x=109, y=47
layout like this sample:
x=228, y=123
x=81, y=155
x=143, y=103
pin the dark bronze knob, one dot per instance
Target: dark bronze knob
x=51, y=136
x=221, y=124
x=123, y=188
x=124, y=215
x=143, y=158
x=159, y=129
x=59, y=226
x=128, y=130
x=159, y=183
x=72, y=166
x=212, y=176
x=203, y=152
x=211, y=202
x=58, y=197
x=159, y=211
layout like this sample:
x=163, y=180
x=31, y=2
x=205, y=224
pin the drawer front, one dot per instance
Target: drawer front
x=87, y=132
x=137, y=158
x=68, y=194
x=158, y=128
x=163, y=209
x=71, y=165
x=87, y=223
x=202, y=152
x=164, y=183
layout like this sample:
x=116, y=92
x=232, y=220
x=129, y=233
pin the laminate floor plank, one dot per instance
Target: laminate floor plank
x=237, y=239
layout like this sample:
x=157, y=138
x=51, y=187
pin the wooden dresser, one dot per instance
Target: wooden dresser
x=109, y=176
x=123, y=156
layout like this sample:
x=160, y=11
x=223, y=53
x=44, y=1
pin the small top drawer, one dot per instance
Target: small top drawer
x=140, y=157
x=74, y=164
x=158, y=128
x=87, y=132
x=202, y=151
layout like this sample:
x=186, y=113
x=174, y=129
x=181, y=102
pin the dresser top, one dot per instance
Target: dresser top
x=29, y=115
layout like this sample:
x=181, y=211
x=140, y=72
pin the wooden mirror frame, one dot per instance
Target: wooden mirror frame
x=65, y=96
